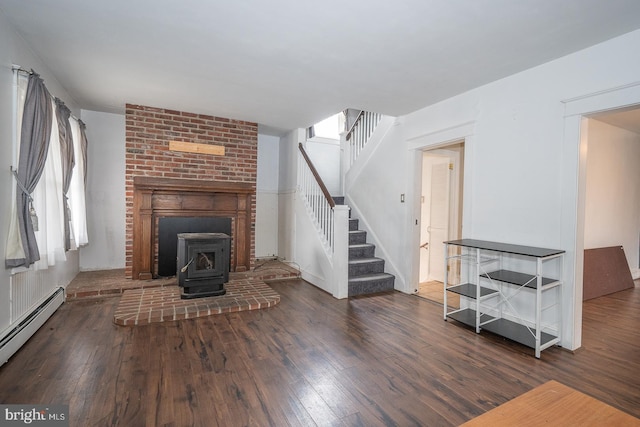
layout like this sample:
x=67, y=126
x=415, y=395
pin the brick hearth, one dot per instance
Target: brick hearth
x=158, y=300
x=152, y=305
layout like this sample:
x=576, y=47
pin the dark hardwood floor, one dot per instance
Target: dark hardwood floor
x=387, y=359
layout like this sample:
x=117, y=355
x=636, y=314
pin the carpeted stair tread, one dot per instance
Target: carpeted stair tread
x=372, y=283
x=364, y=266
x=363, y=250
x=357, y=237
x=370, y=277
x=361, y=245
x=365, y=260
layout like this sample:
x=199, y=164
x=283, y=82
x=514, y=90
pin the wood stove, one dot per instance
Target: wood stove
x=203, y=264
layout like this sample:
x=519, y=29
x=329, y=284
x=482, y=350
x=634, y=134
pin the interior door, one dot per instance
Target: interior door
x=438, y=226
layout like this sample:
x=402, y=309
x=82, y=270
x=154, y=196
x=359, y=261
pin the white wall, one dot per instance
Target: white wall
x=521, y=170
x=287, y=176
x=105, y=192
x=612, y=202
x=325, y=156
x=14, y=51
x=267, y=196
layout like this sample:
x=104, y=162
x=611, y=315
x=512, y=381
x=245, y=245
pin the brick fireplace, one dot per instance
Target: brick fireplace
x=161, y=181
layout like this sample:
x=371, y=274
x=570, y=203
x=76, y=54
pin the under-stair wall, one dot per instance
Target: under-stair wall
x=311, y=255
x=321, y=231
x=318, y=264
x=374, y=192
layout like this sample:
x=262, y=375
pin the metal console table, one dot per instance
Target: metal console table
x=489, y=292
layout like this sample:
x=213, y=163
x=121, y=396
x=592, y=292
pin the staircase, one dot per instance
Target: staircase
x=366, y=272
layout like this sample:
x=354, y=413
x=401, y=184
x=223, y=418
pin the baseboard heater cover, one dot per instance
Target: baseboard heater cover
x=16, y=337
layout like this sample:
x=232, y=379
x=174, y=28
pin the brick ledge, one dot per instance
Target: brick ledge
x=163, y=304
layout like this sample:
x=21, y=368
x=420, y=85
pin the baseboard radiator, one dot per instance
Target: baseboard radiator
x=33, y=301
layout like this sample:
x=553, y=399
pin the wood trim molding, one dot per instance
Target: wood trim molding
x=193, y=147
x=155, y=183
x=161, y=197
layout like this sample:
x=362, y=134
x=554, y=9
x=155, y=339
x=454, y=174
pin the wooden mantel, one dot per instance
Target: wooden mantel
x=154, y=198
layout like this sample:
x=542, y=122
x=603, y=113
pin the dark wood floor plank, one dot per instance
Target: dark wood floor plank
x=388, y=359
x=131, y=374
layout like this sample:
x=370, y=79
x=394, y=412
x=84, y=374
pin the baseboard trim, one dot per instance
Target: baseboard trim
x=20, y=334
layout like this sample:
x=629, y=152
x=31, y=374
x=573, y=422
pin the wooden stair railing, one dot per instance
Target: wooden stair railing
x=317, y=177
x=317, y=197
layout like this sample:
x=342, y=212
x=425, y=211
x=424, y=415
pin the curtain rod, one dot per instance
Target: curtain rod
x=19, y=69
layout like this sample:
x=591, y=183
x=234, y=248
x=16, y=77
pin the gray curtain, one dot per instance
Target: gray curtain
x=34, y=145
x=83, y=148
x=68, y=162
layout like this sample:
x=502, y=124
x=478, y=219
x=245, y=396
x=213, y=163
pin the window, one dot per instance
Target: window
x=47, y=202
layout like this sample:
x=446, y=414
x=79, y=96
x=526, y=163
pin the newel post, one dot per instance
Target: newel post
x=340, y=258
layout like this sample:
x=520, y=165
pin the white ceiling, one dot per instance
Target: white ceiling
x=290, y=63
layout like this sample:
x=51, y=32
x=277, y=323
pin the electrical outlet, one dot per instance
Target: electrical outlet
x=402, y=198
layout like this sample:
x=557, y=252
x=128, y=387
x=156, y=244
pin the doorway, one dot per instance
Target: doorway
x=612, y=201
x=440, y=214
x=573, y=179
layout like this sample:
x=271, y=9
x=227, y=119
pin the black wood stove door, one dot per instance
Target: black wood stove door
x=168, y=229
